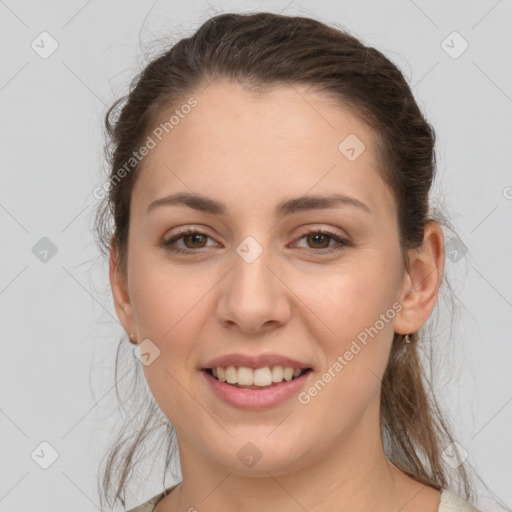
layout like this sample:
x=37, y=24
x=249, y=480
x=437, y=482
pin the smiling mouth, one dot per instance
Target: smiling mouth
x=258, y=378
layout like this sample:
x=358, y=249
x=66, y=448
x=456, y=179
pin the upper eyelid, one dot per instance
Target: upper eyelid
x=303, y=231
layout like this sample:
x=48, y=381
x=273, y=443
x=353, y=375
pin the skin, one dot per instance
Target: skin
x=252, y=151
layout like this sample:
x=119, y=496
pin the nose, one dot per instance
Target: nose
x=254, y=295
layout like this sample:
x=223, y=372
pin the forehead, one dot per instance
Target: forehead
x=252, y=148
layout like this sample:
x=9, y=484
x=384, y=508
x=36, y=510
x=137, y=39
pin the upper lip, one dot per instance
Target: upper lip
x=254, y=361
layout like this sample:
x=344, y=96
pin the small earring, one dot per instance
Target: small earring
x=407, y=340
x=131, y=336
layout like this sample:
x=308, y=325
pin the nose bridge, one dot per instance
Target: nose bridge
x=251, y=274
x=253, y=296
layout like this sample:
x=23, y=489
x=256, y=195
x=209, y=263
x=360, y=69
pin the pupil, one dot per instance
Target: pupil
x=194, y=237
x=316, y=236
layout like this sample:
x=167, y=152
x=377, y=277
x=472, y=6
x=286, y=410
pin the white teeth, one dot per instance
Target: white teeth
x=277, y=374
x=246, y=376
x=288, y=373
x=262, y=377
x=265, y=376
x=231, y=375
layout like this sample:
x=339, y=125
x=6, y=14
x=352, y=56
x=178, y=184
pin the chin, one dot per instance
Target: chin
x=258, y=458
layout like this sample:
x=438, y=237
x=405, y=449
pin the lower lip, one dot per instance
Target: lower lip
x=256, y=398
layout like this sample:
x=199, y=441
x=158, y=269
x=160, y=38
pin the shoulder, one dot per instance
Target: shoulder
x=451, y=502
x=149, y=506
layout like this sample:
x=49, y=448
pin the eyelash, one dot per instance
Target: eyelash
x=342, y=243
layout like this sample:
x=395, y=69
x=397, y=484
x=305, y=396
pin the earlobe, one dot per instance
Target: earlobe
x=421, y=281
x=120, y=293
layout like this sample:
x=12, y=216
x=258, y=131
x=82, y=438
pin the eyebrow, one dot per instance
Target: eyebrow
x=286, y=207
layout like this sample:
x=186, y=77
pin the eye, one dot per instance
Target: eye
x=192, y=238
x=195, y=240
x=320, y=240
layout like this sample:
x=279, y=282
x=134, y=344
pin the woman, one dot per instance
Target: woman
x=273, y=257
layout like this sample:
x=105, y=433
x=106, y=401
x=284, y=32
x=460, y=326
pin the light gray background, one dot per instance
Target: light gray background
x=58, y=325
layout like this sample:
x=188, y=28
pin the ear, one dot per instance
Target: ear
x=121, y=296
x=421, y=281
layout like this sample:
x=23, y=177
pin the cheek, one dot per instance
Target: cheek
x=167, y=297
x=351, y=297
x=355, y=359
x=170, y=313
x=358, y=306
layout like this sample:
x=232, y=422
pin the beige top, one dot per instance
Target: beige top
x=450, y=502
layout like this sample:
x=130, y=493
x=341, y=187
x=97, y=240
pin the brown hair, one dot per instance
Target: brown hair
x=262, y=51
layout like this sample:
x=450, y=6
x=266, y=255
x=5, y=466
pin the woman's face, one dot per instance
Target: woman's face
x=261, y=286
